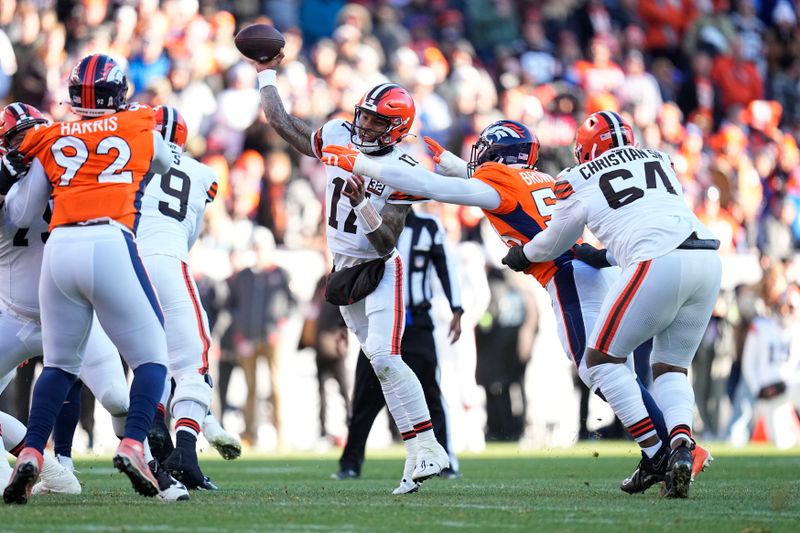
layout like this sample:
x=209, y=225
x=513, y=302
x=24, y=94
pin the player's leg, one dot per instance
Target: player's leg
x=188, y=342
x=67, y=316
x=385, y=312
x=638, y=305
x=159, y=436
x=129, y=313
x=697, y=279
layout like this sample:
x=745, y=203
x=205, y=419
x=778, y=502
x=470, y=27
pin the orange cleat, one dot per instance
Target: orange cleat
x=701, y=458
x=26, y=471
x=129, y=460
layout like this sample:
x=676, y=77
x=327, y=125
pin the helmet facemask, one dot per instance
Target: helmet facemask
x=381, y=138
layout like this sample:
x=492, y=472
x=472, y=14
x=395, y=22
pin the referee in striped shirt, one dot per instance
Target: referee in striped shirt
x=421, y=245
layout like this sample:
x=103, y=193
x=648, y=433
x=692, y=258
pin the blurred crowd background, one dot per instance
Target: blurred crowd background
x=714, y=83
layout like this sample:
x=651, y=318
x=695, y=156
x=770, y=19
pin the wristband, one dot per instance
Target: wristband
x=368, y=216
x=267, y=78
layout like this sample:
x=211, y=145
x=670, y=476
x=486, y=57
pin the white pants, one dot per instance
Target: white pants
x=186, y=327
x=97, y=268
x=21, y=339
x=379, y=319
x=669, y=298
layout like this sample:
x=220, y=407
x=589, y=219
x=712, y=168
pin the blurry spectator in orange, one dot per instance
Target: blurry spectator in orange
x=729, y=148
x=737, y=78
x=640, y=94
x=600, y=73
x=714, y=29
x=665, y=21
x=762, y=118
x=259, y=302
x=719, y=221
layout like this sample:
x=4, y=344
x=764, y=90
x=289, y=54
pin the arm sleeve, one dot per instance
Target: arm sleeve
x=452, y=165
x=162, y=155
x=420, y=182
x=562, y=231
x=27, y=199
x=445, y=268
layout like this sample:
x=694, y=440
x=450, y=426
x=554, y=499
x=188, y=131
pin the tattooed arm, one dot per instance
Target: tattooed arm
x=384, y=239
x=293, y=130
x=382, y=229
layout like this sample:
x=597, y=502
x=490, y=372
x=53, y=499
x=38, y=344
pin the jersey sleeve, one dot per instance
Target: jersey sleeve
x=332, y=132
x=401, y=198
x=35, y=140
x=497, y=177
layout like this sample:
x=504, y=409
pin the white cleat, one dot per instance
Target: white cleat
x=406, y=487
x=169, y=488
x=431, y=460
x=56, y=479
x=226, y=444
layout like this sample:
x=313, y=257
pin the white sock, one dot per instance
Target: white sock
x=118, y=424
x=188, y=416
x=412, y=449
x=675, y=396
x=651, y=451
x=619, y=388
x=13, y=431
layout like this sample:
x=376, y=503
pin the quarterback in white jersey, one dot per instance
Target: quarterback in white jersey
x=631, y=200
x=172, y=216
x=21, y=250
x=363, y=224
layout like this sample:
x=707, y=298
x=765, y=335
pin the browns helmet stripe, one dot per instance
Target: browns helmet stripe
x=17, y=110
x=170, y=123
x=612, y=128
x=376, y=93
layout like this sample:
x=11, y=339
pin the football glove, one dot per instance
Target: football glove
x=516, y=260
x=591, y=255
x=339, y=156
x=449, y=163
x=12, y=167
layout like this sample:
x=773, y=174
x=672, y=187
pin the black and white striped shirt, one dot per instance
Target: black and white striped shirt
x=422, y=247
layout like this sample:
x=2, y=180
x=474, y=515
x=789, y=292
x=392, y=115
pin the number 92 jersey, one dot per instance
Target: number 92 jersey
x=527, y=200
x=345, y=236
x=173, y=208
x=634, y=203
x=96, y=166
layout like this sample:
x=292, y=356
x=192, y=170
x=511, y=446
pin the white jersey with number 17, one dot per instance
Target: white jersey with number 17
x=347, y=241
x=173, y=206
x=634, y=203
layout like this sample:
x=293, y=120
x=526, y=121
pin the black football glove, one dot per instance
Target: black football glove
x=591, y=255
x=12, y=168
x=515, y=259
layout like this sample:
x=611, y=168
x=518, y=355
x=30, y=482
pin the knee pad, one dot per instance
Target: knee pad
x=192, y=386
x=385, y=367
x=116, y=402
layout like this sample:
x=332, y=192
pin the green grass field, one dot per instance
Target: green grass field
x=503, y=489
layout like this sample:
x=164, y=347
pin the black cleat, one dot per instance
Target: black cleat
x=159, y=439
x=345, y=473
x=648, y=473
x=449, y=473
x=183, y=466
x=679, y=473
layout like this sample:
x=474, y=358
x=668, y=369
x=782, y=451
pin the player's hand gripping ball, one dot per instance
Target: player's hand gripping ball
x=259, y=42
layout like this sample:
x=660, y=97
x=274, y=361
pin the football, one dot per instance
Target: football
x=259, y=42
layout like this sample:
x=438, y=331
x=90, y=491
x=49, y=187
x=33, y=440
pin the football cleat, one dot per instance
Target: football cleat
x=701, y=458
x=26, y=470
x=129, y=460
x=431, y=460
x=56, y=479
x=346, y=473
x=159, y=439
x=648, y=473
x=169, y=488
x=449, y=473
x=183, y=466
x=407, y=486
x=226, y=444
x=679, y=473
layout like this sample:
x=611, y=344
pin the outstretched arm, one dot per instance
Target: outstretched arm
x=415, y=180
x=293, y=130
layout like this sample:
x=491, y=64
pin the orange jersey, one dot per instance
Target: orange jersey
x=526, y=200
x=96, y=166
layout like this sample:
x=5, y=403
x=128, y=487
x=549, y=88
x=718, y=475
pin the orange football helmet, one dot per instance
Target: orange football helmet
x=388, y=102
x=17, y=118
x=601, y=131
x=171, y=126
